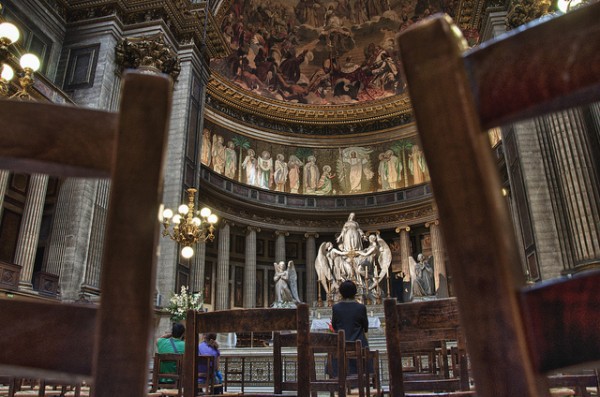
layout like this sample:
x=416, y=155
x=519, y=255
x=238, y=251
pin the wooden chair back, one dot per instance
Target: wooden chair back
x=332, y=345
x=515, y=334
x=356, y=373
x=164, y=379
x=107, y=346
x=207, y=369
x=422, y=322
x=247, y=320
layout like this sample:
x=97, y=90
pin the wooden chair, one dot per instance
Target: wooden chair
x=515, y=334
x=107, y=346
x=247, y=320
x=427, y=321
x=356, y=373
x=207, y=366
x=371, y=366
x=167, y=382
x=332, y=345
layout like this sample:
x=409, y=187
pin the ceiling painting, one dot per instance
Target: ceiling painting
x=320, y=52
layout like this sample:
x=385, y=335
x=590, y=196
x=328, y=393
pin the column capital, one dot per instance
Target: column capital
x=405, y=228
x=255, y=229
x=311, y=234
x=281, y=233
x=435, y=222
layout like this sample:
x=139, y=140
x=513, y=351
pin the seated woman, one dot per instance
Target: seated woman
x=210, y=347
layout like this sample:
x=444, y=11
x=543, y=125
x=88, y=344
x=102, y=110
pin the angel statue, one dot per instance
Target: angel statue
x=421, y=277
x=323, y=266
x=286, y=285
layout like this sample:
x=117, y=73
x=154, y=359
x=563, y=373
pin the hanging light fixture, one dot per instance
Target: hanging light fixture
x=26, y=66
x=188, y=226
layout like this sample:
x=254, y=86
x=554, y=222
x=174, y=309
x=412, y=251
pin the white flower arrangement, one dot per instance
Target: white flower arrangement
x=180, y=303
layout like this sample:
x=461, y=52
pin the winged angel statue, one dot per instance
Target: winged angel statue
x=286, y=285
x=421, y=276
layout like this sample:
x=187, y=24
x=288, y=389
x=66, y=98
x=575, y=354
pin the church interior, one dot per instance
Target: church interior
x=292, y=148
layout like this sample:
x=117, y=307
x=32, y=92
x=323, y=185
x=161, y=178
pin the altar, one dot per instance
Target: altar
x=321, y=324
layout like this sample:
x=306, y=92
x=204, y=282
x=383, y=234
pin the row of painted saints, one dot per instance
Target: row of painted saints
x=354, y=171
x=364, y=259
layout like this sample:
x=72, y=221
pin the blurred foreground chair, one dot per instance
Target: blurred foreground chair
x=332, y=348
x=428, y=321
x=106, y=346
x=166, y=374
x=515, y=334
x=247, y=320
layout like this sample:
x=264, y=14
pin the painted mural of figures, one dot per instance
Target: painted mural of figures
x=383, y=175
x=230, y=160
x=218, y=154
x=264, y=174
x=311, y=175
x=205, y=155
x=351, y=236
x=357, y=12
x=354, y=168
x=294, y=165
x=421, y=277
x=280, y=175
x=325, y=185
x=249, y=165
x=394, y=169
x=418, y=167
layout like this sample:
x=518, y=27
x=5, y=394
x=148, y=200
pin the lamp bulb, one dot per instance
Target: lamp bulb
x=30, y=61
x=212, y=219
x=7, y=73
x=177, y=219
x=167, y=213
x=196, y=221
x=205, y=212
x=187, y=252
x=183, y=209
x=9, y=32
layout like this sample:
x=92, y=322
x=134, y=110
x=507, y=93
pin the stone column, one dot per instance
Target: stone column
x=4, y=175
x=404, y=253
x=439, y=262
x=91, y=282
x=311, y=254
x=199, y=264
x=222, y=298
x=577, y=179
x=280, y=245
x=30, y=228
x=250, y=268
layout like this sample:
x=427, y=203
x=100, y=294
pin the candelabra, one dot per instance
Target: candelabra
x=27, y=65
x=188, y=226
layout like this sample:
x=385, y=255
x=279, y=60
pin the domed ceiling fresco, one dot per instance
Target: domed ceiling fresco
x=319, y=52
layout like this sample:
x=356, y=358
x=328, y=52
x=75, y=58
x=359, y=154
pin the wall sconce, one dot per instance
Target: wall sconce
x=189, y=226
x=26, y=66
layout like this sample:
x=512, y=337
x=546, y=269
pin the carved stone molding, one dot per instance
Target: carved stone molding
x=524, y=11
x=148, y=52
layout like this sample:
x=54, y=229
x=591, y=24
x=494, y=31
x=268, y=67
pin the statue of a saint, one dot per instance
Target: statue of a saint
x=286, y=287
x=351, y=238
x=421, y=277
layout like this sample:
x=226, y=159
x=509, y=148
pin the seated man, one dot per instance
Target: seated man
x=171, y=343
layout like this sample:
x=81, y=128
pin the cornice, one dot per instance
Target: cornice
x=185, y=19
x=226, y=97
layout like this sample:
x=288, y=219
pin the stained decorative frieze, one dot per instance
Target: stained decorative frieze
x=148, y=52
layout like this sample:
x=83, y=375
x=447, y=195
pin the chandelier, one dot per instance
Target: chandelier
x=188, y=225
x=9, y=66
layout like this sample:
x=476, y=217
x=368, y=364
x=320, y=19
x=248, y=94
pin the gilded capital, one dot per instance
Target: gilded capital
x=311, y=234
x=148, y=52
x=523, y=11
x=402, y=228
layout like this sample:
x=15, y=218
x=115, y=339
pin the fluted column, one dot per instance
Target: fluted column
x=222, y=299
x=439, y=259
x=311, y=254
x=199, y=264
x=250, y=268
x=280, y=245
x=91, y=282
x=4, y=174
x=404, y=248
x=30, y=228
x=578, y=178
